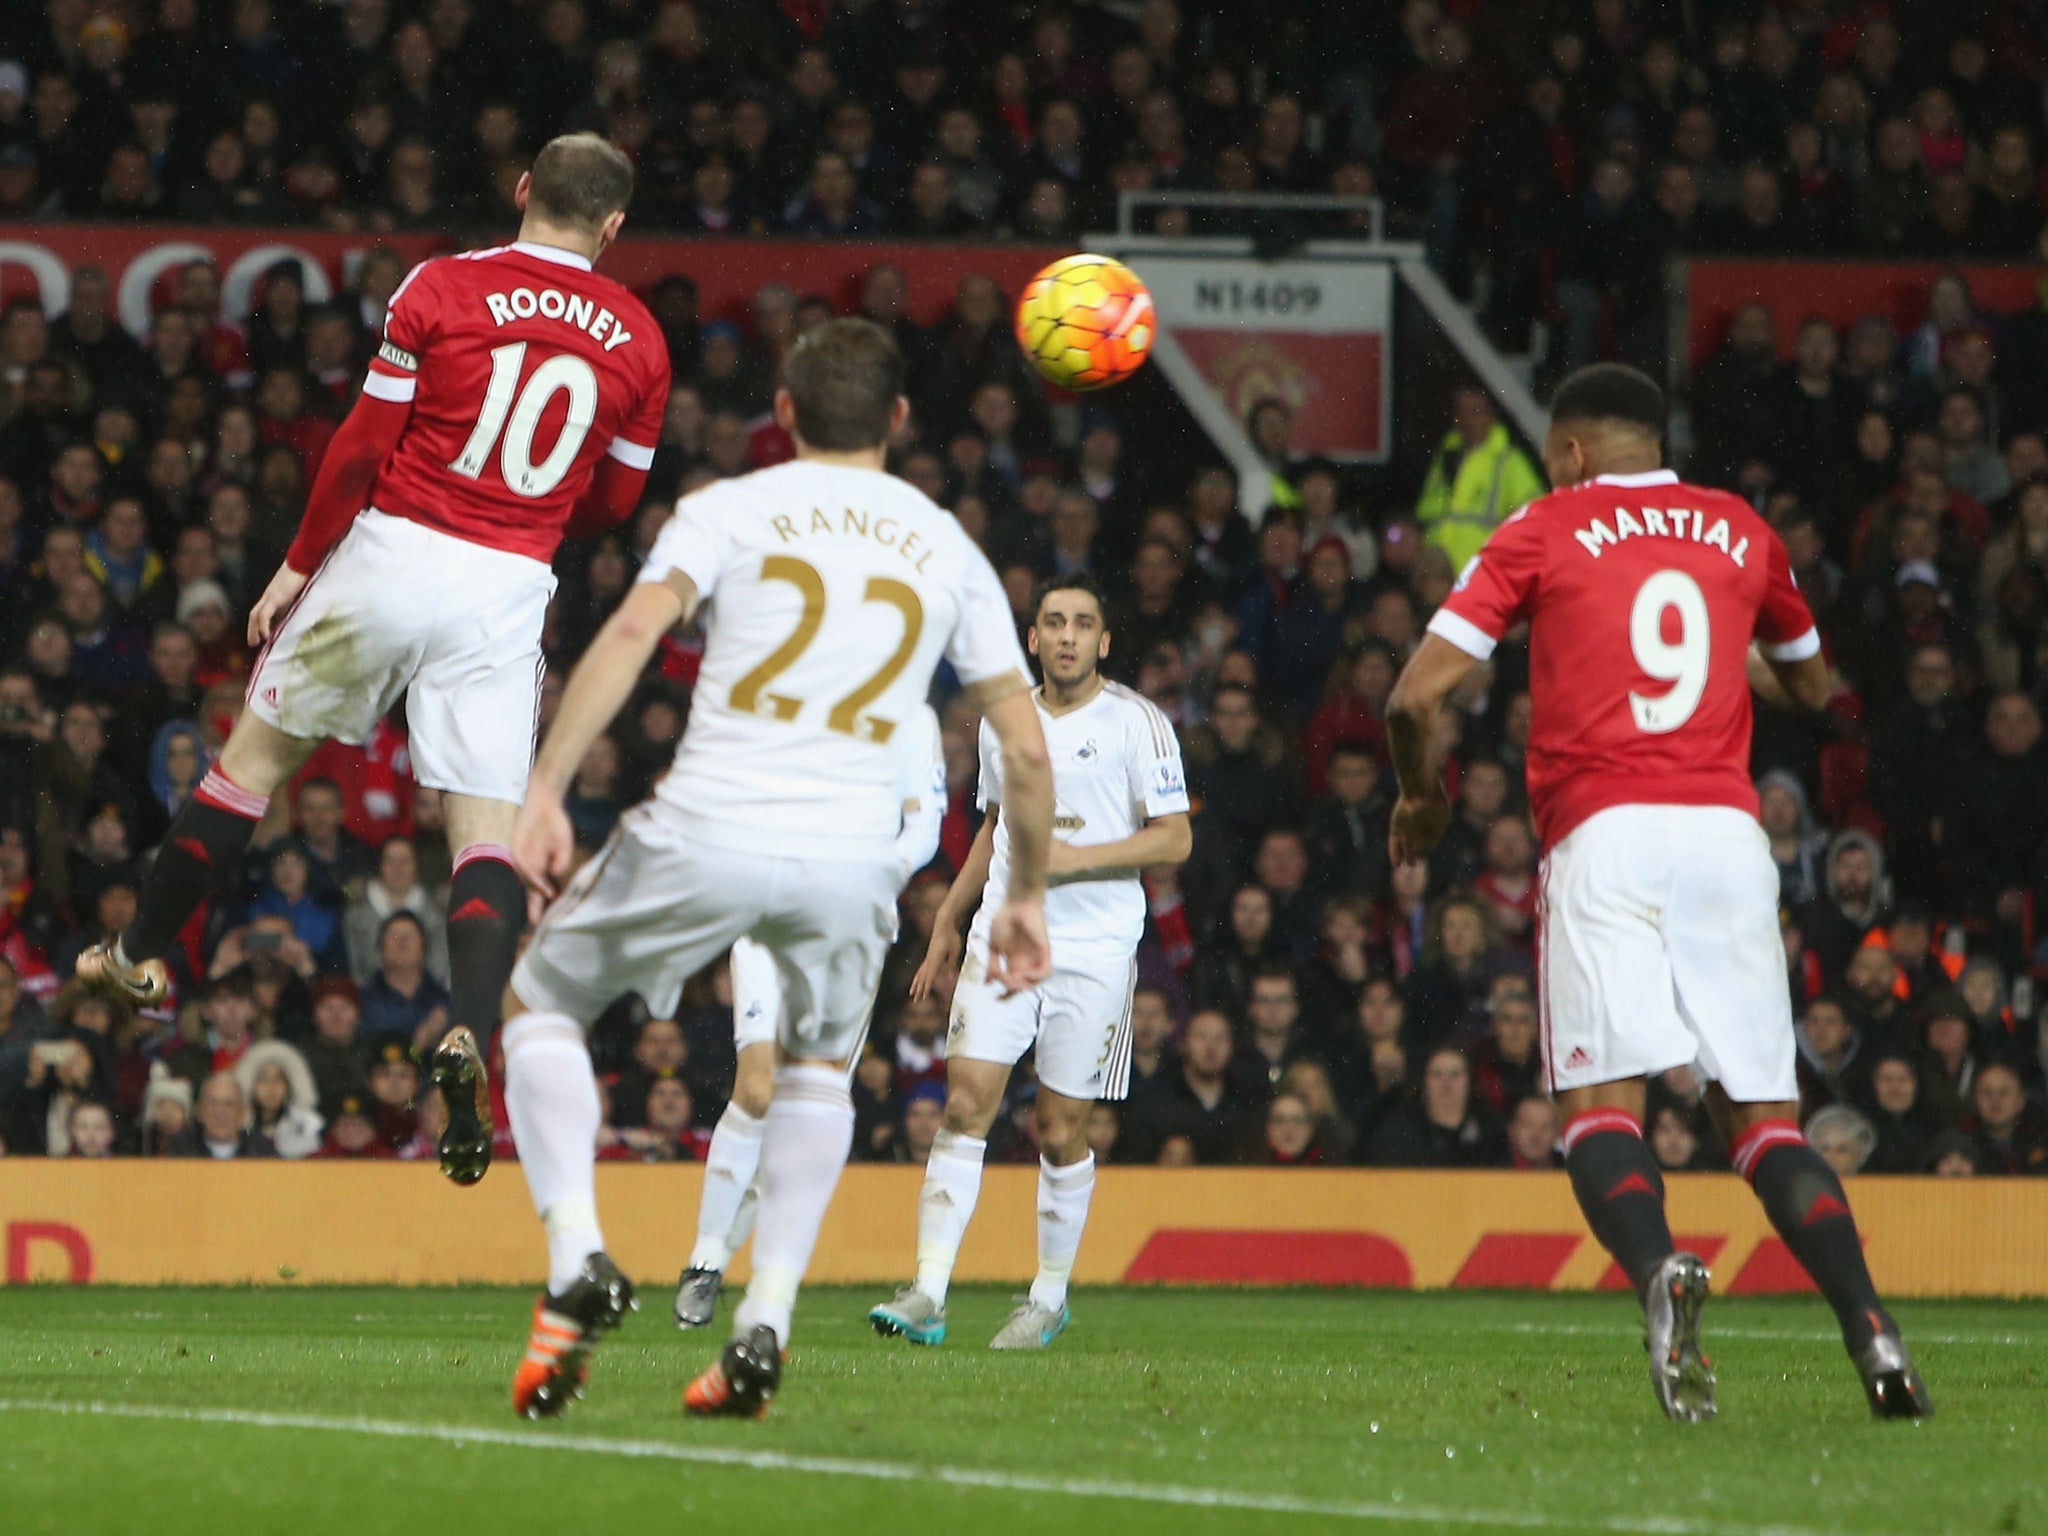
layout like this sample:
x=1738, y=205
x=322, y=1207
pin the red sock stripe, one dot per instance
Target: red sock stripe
x=1753, y=1143
x=496, y=851
x=1588, y=1122
x=224, y=794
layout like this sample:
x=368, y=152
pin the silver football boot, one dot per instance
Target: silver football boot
x=1031, y=1326
x=1682, y=1375
x=1891, y=1381
x=697, y=1297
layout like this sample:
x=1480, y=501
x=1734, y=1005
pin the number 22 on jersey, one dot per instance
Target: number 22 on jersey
x=751, y=695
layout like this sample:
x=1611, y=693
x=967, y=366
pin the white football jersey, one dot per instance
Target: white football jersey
x=1115, y=765
x=832, y=595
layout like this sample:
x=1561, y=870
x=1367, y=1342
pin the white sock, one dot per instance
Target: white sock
x=808, y=1132
x=728, y=1185
x=952, y=1183
x=1063, y=1195
x=551, y=1097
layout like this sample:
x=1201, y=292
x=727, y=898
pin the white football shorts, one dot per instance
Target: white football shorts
x=400, y=608
x=1660, y=949
x=651, y=909
x=756, y=995
x=1079, y=1018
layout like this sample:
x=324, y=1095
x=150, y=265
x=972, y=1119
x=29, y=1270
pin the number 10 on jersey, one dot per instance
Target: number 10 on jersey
x=564, y=371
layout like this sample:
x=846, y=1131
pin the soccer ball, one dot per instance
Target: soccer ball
x=1086, y=322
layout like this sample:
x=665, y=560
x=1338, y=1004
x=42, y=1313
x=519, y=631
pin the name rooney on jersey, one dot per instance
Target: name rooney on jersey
x=1667, y=523
x=882, y=530
x=573, y=309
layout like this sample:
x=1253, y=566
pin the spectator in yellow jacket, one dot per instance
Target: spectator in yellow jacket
x=1476, y=481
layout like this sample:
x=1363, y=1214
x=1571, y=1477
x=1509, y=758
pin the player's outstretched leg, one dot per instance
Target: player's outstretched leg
x=552, y=1099
x=1621, y=1190
x=486, y=912
x=808, y=1134
x=458, y=1070
x=200, y=854
x=731, y=1198
x=1808, y=1206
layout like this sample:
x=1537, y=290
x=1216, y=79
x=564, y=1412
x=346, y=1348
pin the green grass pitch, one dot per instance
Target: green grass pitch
x=360, y=1412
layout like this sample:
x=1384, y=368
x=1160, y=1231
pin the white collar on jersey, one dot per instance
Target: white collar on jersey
x=552, y=253
x=1648, y=477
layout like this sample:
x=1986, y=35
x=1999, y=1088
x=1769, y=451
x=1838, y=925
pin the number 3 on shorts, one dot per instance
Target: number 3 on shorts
x=1681, y=663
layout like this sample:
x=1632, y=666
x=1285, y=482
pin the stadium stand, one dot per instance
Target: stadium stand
x=1304, y=1004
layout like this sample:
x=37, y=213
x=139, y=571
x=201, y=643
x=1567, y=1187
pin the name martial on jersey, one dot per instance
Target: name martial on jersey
x=1660, y=523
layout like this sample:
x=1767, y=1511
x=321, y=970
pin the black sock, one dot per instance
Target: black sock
x=486, y=912
x=1805, y=1202
x=200, y=854
x=1621, y=1190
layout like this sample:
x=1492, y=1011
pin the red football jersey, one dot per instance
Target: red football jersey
x=524, y=367
x=1642, y=596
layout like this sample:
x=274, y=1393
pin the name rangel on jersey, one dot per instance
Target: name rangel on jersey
x=888, y=532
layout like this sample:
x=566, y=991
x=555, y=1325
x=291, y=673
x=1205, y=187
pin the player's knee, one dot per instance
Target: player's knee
x=969, y=1111
x=1062, y=1131
x=752, y=1093
x=260, y=758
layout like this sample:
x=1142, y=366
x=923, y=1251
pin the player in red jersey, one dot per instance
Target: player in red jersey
x=1653, y=608
x=517, y=397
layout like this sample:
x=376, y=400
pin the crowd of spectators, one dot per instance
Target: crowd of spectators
x=1303, y=1003
x=1549, y=154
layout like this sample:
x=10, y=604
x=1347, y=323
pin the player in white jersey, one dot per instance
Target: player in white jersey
x=1120, y=806
x=832, y=590
x=726, y=1208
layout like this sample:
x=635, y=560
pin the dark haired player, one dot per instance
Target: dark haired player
x=517, y=396
x=1121, y=806
x=1653, y=607
x=832, y=590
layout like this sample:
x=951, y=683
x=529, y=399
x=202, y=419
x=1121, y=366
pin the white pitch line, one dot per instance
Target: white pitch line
x=1771, y=1335
x=899, y=1472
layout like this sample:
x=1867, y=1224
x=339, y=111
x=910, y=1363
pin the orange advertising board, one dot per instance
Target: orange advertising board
x=270, y=1223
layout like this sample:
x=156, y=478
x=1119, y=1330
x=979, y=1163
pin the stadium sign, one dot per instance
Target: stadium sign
x=150, y=1222
x=1316, y=335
